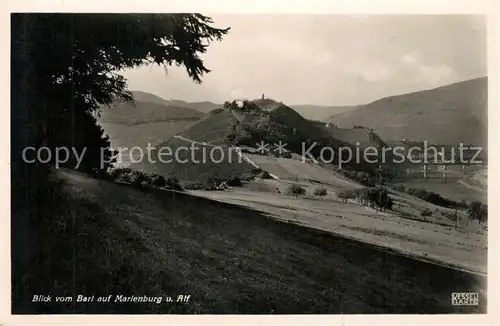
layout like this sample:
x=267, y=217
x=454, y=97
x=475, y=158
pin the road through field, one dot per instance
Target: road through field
x=237, y=150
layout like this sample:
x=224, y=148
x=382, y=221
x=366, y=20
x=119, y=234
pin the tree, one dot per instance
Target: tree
x=157, y=180
x=477, y=211
x=361, y=196
x=345, y=195
x=70, y=64
x=296, y=190
x=377, y=197
x=320, y=192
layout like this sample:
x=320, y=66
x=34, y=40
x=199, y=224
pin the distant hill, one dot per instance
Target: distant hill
x=451, y=114
x=203, y=106
x=149, y=120
x=319, y=112
x=141, y=112
x=140, y=96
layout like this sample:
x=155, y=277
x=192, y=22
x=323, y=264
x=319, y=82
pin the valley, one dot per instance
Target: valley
x=260, y=218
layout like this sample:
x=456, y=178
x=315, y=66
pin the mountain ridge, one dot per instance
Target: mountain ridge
x=449, y=114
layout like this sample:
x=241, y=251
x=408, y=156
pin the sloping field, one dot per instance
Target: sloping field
x=213, y=128
x=435, y=240
x=312, y=176
x=101, y=238
x=291, y=169
x=122, y=135
x=195, y=165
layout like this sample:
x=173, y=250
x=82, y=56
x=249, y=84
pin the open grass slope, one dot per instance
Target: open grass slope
x=149, y=120
x=209, y=136
x=449, y=114
x=154, y=133
x=402, y=229
x=100, y=238
x=140, y=112
x=213, y=128
x=197, y=164
x=312, y=176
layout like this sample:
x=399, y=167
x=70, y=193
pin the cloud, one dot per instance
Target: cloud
x=409, y=58
x=328, y=59
x=427, y=74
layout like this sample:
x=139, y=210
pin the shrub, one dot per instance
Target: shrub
x=256, y=171
x=157, y=180
x=361, y=175
x=120, y=174
x=478, y=211
x=399, y=188
x=194, y=186
x=435, y=198
x=173, y=183
x=320, y=192
x=136, y=178
x=296, y=190
x=463, y=204
x=426, y=212
x=234, y=182
x=377, y=197
x=265, y=175
x=345, y=195
x=214, y=181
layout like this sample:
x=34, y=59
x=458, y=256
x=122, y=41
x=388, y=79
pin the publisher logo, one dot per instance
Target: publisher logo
x=465, y=299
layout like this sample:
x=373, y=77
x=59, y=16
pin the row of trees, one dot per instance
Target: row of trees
x=375, y=197
x=431, y=197
x=142, y=179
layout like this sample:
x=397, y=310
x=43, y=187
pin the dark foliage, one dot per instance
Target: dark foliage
x=296, y=190
x=234, y=182
x=478, y=211
x=432, y=197
x=376, y=197
x=69, y=66
x=320, y=192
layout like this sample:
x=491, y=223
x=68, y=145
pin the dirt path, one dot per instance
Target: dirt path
x=237, y=150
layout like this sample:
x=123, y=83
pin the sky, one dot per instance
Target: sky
x=327, y=59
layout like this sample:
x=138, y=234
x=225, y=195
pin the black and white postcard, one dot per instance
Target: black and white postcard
x=181, y=163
